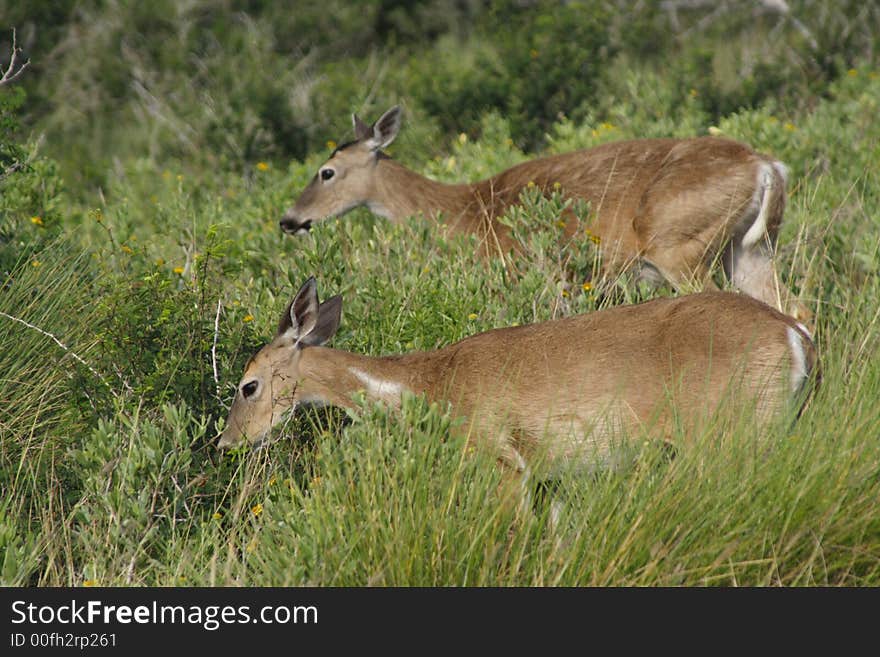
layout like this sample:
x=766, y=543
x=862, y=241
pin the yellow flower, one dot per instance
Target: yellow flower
x=587, y=286
x=273, y=480
x=595, y=239
x=557, y=185
x=37, y=221
x=331, y=144
x=248, y=318
x=852, y=72
x=560, y=223
x=472, y=316
x=90, y=582
x=789, y=126
x=217, y=515
x=178, y=270
x=531, y=184
x=262, y=166
x=607, y=126
x=257, y=509
x=565, y=293
x=179, y=177
x=462, y=138
x=35, y=263
x=126, y=249
x=316, y=481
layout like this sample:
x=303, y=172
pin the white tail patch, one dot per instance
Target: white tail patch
x=383, y=389
x=758, y=229
x=799, y=372
x=782, y=170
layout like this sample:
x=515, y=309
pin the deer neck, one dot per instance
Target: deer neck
x=330, y=376
x=402, y=193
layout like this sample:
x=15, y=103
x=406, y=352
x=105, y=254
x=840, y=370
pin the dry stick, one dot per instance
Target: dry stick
x=214, y=347
x=155, y=108
x=11, y=74
x=65, y=348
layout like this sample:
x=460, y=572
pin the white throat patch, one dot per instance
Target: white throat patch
x=383, y=389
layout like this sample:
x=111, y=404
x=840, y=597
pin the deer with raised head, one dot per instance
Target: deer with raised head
x=557, y=392
x=668, y=208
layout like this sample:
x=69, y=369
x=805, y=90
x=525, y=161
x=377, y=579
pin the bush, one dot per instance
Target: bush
x=30, y=190
x=126, y=316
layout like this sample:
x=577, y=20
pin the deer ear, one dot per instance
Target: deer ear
x=361, y=129
x=301, y=315
x=329, y=315
x=385, y=129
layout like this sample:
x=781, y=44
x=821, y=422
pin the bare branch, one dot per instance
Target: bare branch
x=720, y=7
x=164, y=115
x=11, y=73
x=64, y=347
x=214, y=346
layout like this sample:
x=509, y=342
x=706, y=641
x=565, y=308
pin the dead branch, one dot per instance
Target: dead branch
x=717, y=8
x=14, y=69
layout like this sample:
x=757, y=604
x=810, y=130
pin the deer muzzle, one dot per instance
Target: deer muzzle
x=292, y=225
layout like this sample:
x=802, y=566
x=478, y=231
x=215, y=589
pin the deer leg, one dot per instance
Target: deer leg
x=751, y=269
x=515, y=477
x=517, y=484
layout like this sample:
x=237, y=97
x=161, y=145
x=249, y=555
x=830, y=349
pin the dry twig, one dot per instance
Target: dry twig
x=12, y=72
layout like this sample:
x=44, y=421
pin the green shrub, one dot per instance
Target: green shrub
x=30, y=190
x=128, y=315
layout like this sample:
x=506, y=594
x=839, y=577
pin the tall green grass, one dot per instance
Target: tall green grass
x=108, y=473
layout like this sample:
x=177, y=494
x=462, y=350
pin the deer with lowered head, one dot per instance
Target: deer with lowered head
x=668, y=208
x=555, y=393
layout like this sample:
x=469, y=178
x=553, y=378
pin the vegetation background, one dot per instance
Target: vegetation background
x=147, y=153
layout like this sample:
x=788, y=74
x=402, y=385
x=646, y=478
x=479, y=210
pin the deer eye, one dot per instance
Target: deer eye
x=249, y=388
x=327, y=174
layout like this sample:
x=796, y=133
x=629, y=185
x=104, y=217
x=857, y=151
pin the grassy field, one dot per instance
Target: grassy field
x=127, y=311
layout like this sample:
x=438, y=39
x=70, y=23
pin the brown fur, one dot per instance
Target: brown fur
x=670, y=206
x=564, y=388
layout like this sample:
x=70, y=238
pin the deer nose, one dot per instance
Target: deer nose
x=293, y=226
x=226, y=441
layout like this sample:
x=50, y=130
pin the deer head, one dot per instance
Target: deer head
x=346, y=180
x=272, y=383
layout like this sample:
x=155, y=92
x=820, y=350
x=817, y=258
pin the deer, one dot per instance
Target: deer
x=666, y=209
x=551, y=396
